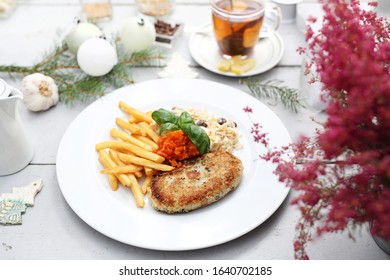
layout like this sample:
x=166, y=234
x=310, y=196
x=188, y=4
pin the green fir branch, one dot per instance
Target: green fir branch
x=274, y=90
x=73, y=84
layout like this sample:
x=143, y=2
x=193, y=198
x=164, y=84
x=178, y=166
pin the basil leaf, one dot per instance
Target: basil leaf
x=185, y=118
x=169, y=121
x=198, y=137
x=162, y=116
x=168, y=126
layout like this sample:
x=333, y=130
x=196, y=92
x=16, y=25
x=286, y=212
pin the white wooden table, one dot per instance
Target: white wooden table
x=51, y=230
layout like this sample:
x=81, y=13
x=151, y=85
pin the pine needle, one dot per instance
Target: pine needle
x=73, y=84
x=274, y=90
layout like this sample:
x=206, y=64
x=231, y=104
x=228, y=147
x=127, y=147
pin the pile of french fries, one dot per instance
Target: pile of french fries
x=129, y=159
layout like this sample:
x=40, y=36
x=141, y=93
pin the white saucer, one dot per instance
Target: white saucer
x=268, y=52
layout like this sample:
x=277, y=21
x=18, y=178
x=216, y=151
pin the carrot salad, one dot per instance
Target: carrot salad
x=176, y=146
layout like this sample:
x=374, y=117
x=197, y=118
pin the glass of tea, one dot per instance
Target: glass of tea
x=237, y=24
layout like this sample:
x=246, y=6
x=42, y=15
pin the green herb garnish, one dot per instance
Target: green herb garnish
x=168, y=121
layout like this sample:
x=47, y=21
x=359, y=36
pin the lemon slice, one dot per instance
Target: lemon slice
x=243, y=66
x=225, y=65
x=237, y=65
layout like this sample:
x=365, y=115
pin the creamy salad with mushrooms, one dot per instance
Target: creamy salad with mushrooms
x=223, y=133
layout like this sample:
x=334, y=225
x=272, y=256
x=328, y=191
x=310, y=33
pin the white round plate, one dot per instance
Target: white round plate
x=114, y=214
x=267, y=53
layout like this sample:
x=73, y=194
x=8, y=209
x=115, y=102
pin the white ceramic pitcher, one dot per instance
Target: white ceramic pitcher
x=15, y=148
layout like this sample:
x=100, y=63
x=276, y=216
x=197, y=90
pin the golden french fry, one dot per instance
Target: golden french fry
x=132, y=120
x=148, y=171
x=149, y=131
x=137, y=114
x=114, y=155
x=146, y=184
x=125, y=169
x=130, y=139
x=111, y=178
x=136, y=189
x=130, y=158
x=144, y=162
x=127, y=181
x=111, y=164
x=131, y=127
x=147, y=141
x=115, y=158
x=124, y=146
x=113, y=182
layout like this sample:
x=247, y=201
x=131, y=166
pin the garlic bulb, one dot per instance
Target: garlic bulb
x=40, y=92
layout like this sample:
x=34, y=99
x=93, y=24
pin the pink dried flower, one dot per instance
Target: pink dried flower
x=342, y=177
x=301, y=50
x=247, y=109
x=311, y=19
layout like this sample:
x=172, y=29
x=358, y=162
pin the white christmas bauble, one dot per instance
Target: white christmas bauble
x=81, y=32
x=96, y=57
x=137, y=34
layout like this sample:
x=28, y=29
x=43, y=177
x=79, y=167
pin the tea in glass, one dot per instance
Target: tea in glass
x=237, y=25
